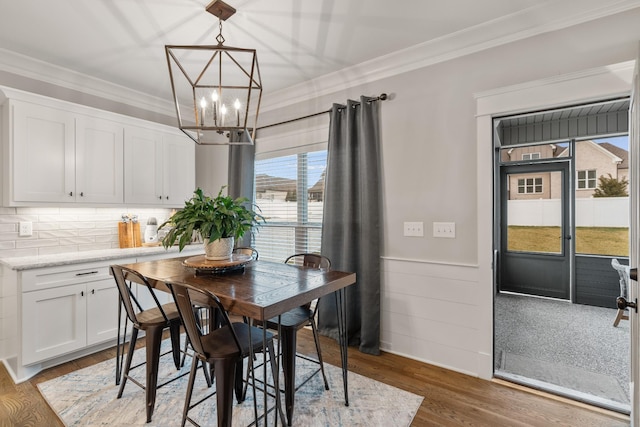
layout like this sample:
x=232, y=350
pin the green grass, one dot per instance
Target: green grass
x=612, y=241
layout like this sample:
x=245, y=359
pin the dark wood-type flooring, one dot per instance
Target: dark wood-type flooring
x=451, y=398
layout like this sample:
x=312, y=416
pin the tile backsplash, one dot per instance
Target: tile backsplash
x=59, y=230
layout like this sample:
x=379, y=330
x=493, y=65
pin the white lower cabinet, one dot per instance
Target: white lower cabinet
x=72, y=307
x=54, y=322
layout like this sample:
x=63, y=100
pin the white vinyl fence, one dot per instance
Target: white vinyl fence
x=592, y=212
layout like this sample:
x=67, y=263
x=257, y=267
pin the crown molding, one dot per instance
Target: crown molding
x=507, y=29
x=46, y=72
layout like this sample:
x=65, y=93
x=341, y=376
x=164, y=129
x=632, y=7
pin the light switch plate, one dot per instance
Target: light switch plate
x=444, y=229
x=414, y=229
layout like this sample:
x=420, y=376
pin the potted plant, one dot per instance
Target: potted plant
x=219, y=221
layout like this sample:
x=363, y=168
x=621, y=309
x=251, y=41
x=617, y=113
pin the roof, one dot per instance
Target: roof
x=617, y=151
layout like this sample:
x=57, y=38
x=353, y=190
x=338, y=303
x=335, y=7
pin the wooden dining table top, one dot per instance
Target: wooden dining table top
x=261, y=291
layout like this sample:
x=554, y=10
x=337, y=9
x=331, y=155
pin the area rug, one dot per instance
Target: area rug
x=87, y=397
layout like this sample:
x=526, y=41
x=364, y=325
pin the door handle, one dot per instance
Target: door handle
x=633, y=274
x=622, y=303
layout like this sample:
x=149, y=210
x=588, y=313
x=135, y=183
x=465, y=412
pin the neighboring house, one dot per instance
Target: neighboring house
x=275, y=188
x=593, y=160
x=284, y=189
x=316, y=192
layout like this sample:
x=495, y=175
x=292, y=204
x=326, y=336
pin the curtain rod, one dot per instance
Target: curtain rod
x=382, y=97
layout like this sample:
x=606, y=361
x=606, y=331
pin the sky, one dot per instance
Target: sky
x=286, y=166
x=619, y=141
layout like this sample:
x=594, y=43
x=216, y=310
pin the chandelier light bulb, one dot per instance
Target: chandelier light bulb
x=237, y=104
x=223, y=109
x=214, y=96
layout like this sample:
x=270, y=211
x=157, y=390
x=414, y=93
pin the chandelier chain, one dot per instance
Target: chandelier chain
x=219, y=37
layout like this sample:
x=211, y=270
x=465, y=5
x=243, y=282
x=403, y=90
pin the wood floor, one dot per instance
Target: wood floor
x=451, y=399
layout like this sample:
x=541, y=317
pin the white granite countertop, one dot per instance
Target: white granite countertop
x=30, y=262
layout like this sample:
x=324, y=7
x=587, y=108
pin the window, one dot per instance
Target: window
x=290, y=194
x=530, y=156
x=529, y=185
x=587, y=179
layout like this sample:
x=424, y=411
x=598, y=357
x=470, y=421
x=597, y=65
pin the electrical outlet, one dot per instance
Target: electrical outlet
x=25, y=229
x=414, y=229
x=444, y=229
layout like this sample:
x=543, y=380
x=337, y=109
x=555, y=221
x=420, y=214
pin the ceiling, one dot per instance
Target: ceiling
x=121, y=42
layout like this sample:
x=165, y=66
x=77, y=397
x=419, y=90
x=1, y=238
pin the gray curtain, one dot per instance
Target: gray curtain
x=351, y=224
x=240, y=175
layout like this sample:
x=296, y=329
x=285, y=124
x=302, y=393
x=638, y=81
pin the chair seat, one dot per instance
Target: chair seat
x=219, y=344
x=153, y=316
x=295, y=318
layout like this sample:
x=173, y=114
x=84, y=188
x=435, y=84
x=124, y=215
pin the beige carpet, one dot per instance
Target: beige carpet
x=87, y=397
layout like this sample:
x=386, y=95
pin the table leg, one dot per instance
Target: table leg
x=288, y=337
x=154, y=339
x=342, y=334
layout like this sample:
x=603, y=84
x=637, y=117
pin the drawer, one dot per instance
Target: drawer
x=52, y=277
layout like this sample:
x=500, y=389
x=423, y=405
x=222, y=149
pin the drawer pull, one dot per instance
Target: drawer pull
x=81, y=293
x=86, y=273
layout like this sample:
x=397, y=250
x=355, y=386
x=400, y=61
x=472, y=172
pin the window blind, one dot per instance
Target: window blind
x=290, y=194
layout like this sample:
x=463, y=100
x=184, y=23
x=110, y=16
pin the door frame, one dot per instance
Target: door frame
x=584, y=86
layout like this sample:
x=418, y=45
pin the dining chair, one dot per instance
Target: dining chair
x=246, y=251
x=153, y=321
x=290, y=323
x=623, y=275
x=204, y=314
x=224, y=348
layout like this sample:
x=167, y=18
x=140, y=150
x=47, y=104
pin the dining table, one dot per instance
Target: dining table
x=259, y=290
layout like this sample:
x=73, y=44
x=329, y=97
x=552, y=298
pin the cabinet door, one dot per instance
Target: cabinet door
x=44, y=154
x=143, y=166
x=53, y=322
x=102, y=311
x=179, y=169
x=99, y=161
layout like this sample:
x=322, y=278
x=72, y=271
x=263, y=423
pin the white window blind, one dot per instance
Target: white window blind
x=290, y=195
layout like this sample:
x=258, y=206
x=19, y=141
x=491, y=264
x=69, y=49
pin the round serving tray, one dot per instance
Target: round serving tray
x=203, y=265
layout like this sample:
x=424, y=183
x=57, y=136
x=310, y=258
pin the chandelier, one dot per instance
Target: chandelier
x=216, y=89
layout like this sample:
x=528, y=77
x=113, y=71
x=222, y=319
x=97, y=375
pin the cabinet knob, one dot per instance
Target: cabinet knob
x=82, y=194
x=93, y=291
x=167, y=197
x=81, y=293
x=71, y=193
x=160, y=197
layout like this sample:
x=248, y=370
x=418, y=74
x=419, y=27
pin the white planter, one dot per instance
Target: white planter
x=218, y=249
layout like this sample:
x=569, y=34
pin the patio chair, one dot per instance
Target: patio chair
x=623, y=274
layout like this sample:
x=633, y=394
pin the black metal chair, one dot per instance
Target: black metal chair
x=224, y=348
x=290, y=323
x=246, y=251
x=153, y=321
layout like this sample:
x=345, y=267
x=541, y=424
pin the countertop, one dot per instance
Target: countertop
x=41, y=261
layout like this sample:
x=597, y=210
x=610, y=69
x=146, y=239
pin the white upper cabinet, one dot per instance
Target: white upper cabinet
x=62, y=157
x=159, y=168
x=179, y=169
x=43, y=161
x=143, y=166
x=55, y=152
x=99, y=160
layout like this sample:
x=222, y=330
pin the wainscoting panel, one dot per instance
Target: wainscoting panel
x=431, y=311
